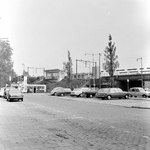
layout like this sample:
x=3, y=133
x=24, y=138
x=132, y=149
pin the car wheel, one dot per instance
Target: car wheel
x=144, y=96
x=126, y=96
x=108, y=97
x=130, y=95
x=55, y=94
x=62, y=94
x=7, y=98
x=91, y=96
x=80, y=95
x=103, y=98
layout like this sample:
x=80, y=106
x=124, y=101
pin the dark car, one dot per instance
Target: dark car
x=108, y=93
x=13, y=93
x=91, y=93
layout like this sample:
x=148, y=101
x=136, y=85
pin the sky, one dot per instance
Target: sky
x=41, y=32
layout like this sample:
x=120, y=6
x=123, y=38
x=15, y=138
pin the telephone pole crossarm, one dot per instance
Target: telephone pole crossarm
x=85, y=61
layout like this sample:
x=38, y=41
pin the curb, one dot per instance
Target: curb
x=115, y=104
x=140, y=107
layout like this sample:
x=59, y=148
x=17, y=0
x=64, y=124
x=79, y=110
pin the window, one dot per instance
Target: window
x=137, y=90
x=104, y=90
x=132, y=90
x=118, y=90
x=141, y=90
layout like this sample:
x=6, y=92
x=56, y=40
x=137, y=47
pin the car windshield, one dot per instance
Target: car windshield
x=141, y=90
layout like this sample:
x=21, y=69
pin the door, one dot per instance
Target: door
x=133, y=92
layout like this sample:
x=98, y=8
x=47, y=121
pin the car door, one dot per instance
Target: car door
x=133, y=92
x=113, y=93
x=119, y=93
x=137, y=93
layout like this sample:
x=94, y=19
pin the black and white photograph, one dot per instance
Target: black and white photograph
x=74, y=74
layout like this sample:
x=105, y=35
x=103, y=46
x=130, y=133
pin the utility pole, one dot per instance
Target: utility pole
x=76, y=68
x=23, y=68
x=81, y=61
x=99, y=70
x=141, y=71
x=95, y=70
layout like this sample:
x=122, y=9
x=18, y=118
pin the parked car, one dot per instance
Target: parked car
x=67, y=91
x=91, y=93
x=60, y=91
x=108, y=93
x=2, y=92
x=139, y=92
x=13, y=93
x=55, y=90
x=79, y=92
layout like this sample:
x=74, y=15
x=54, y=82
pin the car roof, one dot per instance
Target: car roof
x=77, y=89
x=111, y=88
x=136, y=88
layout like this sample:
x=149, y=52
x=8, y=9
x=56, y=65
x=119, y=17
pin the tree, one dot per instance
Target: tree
x=6, y=63
x=111, y=62
x=67, y=66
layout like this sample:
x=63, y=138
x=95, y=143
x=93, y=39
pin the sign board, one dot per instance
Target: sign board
x=25, y=80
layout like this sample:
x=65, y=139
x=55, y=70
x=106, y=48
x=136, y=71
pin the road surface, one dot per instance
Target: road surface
x=74, y=124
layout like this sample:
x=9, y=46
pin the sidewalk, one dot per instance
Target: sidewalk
x=141, y=103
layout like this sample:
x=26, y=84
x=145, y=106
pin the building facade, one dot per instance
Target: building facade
x=54, y=75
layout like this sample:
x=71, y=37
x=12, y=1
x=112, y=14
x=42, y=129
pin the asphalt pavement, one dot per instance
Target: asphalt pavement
x=28, y=126
x=139, y=103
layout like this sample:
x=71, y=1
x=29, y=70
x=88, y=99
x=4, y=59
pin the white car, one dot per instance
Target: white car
x=79, y=92
x=56, y=90
x=139, y=92
x=13, y=93
x=61, y=91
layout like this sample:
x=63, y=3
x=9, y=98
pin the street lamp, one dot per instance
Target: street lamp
x=23, y=68
x=100, y=69
x=141, y=71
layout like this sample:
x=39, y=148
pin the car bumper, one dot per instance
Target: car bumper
x=16, y=97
